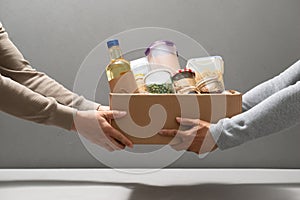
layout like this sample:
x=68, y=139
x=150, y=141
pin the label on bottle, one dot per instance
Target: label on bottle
x=124, y=84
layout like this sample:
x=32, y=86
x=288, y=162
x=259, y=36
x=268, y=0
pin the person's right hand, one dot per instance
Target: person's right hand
x=95, y=126
x=197, y=138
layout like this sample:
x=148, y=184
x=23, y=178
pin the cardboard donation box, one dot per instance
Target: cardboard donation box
x=149, y=113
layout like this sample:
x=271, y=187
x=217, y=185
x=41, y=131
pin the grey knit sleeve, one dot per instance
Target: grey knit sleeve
x=259, y=93
x=275, y=113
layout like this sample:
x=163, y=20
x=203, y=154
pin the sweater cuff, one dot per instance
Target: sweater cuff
x=90, y=105
x=86, y=105
x=63, y=117
x=216, y=131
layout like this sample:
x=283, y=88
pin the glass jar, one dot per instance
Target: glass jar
x=159, y=81
x=184, y=82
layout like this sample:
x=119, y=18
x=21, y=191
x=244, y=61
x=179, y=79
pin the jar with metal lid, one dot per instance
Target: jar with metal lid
x=184, y=82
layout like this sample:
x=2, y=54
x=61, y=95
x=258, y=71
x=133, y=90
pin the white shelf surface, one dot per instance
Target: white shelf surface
x=131, y=184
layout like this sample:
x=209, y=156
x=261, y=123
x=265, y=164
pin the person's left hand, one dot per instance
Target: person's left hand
x=197, y=139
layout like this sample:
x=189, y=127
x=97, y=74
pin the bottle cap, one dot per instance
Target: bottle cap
x=111, y=43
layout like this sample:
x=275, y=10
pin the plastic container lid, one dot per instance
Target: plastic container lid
x=211, y=63
x=111, y=43
x=159, y=44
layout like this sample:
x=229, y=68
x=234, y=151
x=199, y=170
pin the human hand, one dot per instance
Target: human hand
x=95, y=126
x=197, y=139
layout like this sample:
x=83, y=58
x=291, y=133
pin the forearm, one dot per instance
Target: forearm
x=14, y=66
x=17, y=100
x=46, y=86
x=259, y=93
x=274, y=114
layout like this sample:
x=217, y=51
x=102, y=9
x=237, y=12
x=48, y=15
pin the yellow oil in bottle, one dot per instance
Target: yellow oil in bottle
x=118, y=71
x=117, y=68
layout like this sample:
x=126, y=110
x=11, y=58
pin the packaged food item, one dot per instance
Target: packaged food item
x=119, y=74
x=184, y=82
x=140, y=67
x=210, y=85
x=159, y=81
x=163, y=54
x=208, y=74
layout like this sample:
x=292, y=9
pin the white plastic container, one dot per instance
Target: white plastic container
x=140, y=67
x=163, y=54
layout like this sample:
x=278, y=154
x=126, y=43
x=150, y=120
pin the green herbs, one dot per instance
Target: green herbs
x=160, y=88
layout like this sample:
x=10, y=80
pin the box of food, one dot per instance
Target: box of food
x=149, y=113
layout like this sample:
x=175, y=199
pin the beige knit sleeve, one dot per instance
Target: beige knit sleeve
x=17, y=100
x=14, y=66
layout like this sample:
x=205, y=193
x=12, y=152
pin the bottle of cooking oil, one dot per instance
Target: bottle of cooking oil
x=119, y=74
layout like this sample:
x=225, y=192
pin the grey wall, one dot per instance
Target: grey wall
x=257, y=39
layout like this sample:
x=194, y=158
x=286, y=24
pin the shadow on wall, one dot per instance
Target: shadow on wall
x=179, y=192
